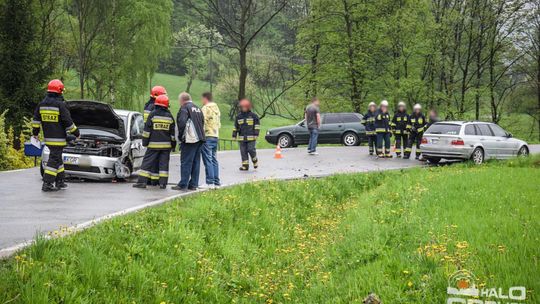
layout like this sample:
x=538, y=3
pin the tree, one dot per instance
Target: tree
x=239, y=22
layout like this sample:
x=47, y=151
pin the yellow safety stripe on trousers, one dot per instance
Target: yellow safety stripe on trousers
x=53, y=173
x=163, y=173
x=246, y=162
x=418, y=151
x=55, y=143
x=144, y=173
x=408, y=149
x=398, y=150
x=60, y=170
x=154, y=177
x=381, y=130
x=159, y=145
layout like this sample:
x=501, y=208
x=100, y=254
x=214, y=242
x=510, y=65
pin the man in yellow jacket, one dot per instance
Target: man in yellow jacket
x=212, y=123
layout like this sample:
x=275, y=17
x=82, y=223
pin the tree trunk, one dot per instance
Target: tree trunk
x=243, y=73
x=538, y=87
x=355, y=90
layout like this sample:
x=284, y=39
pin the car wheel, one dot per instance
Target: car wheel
x=350, y=139
x=478, y=156
x=285, y=141
x=523, y=151
x=433, y=160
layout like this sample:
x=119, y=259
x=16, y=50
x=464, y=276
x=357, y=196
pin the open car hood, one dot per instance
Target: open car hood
x=96, y=115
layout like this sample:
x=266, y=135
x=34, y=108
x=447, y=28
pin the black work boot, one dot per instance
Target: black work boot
x=255, y=163
x=48, y=187
x=163, y=186
x=139, y=185
x=244, y=167
x=61, y=184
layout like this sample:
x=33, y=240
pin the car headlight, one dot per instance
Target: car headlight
x=267, y=132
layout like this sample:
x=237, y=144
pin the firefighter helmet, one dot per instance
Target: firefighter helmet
x=384, y=103
x=55, y=86
x=401, y=104
x=417, y=107
x=157, y=91
x=162, y=101
x=372, y=104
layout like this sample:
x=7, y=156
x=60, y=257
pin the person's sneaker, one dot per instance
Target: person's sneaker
x=178, y=188
x=313, y=153
x=139, y=185
x=61, y=185
x=162, y=186
x=217, y=186
x=48, y=187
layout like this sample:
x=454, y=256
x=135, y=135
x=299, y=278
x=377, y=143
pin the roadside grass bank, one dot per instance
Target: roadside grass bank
x=399, y=234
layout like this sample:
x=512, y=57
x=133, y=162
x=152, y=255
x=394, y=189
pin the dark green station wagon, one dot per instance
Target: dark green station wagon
x=336, y=128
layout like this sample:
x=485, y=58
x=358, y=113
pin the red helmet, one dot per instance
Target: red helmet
x=162, y=100
x=55, y=86
x=157, y=91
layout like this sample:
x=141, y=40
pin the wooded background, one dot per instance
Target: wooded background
x=468, y=59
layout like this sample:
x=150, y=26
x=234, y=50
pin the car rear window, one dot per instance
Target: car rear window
x=346, y=118
x=447, y=129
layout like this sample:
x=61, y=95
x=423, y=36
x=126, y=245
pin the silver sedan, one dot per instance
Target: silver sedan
x=464, y=140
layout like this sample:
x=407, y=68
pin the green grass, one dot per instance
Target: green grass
x=399, y=234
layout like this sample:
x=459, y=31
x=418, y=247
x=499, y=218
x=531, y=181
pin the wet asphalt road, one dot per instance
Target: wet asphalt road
x=25, y=210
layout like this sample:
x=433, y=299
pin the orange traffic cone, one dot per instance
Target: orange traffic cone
x=277, y=154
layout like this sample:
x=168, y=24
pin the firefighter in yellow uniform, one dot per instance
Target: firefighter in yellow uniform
x=416, y=130
x=54, y=118
x=399, y=124
x=159, y=137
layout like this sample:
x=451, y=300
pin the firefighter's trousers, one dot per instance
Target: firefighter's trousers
x=155, y=158
x=54, y=170
x=415, y=138
x=247, y=150
x=402, y=140
x=383, y=138
x=372, y=142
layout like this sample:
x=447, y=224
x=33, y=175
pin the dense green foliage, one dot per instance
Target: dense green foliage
x=398, y=234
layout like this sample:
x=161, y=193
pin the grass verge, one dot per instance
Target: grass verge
x=332, y=240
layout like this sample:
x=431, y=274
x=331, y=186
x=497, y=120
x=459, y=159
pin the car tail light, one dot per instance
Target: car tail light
x=458, y=142
x=424, y=140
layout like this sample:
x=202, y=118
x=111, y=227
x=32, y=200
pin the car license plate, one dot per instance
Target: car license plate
x=71, y=160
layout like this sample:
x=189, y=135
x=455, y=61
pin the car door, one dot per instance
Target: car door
x=506, y=147
x=135, y=135
x=331, y=129
x=301, y=133
x=487, y=140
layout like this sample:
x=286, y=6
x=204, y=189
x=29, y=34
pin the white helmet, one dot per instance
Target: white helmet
x=384, y=103
x=417, y=107
x=372, y=104
x=401, y=104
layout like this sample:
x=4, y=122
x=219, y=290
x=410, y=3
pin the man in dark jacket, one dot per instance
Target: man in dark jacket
x=400, y=129
x=159, y=137
x=190, y=120
x=246, y=130
x=369, y=122
x=54, y=118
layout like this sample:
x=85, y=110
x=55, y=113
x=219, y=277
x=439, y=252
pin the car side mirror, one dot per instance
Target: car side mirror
x=303, y=124
x=509, y=135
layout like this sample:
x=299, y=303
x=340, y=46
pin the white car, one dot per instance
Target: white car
x=110, y=145
x=472, y=140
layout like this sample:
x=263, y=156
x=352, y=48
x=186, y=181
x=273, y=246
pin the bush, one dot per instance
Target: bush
x=11, y=158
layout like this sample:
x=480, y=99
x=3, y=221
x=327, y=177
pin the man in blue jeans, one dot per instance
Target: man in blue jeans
x=190, y=122
x=313, y=123
x=212, y=123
